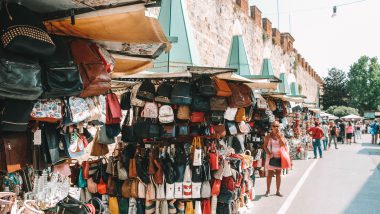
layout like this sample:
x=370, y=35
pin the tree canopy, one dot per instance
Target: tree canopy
x=364, y=84
x=335, y=89
x=342, y=111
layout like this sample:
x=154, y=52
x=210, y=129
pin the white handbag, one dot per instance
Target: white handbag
x=214, y=204
x=187, y=183
x=166, y=114
x=141, y=190
x=197, y=147
x=150, y=191
x=121, y=172
x=206, y=189
x=169, y=194
x=230, y=114
x=150, y=110
x=160, y=191
x=197, y=208
x=94, y=107
x=178, y=190
x=196, y=190
x=132, y=206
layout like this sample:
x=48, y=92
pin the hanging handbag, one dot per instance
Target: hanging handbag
x=150, y=191
x=113, y=113
x=196, y=174
x=200, y=103
x=98, y=149
x=206, y=206
x=150, y=110
x=146, y=91
x=181, y=94
x=126, y=188
x=216, y=184
x=23, y=32
x=76, y=110
x=189, y=207
x=169, y=191
x=15, y=115
x=217, y=117
x=103, y=137
x=168, y=131
x=196, y=148
x=15, y=151
x=206, y=86
x=122, y=173
x=125, y=100
x=127, y=133
x=219, y=131
x=178, y=190
x=218, y=104
x=70, y=205
x=183, y=112
x=198, y=208
x=196, y=188
x=213, y=157
x=102, y=187
x=197, y=117
x=134, y=100
x=206, y=189
x=94, y=108
x=244, y=127
x=187, y=183
x=74, y=145
x=240, y=115
x=183, y=129
x=230, y=114
x=135, y=188
x=231, y=128
x=47, y=110
x=141, y=189
x=132, y=173
x=222, y=88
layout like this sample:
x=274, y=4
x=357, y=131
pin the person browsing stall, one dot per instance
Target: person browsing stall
x=272, y=146
x=317, y=134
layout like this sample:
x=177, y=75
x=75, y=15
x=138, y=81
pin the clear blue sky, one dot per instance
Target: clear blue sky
x=327, y=42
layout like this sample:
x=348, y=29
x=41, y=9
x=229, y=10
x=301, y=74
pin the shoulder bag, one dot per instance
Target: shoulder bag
x=15, y=115
x=113, y=113
x=47, y=110
x=15, y=151
x=222, y=88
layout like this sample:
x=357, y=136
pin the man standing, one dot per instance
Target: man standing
x=333, y=135
x=325, y=129
x=342, y=131
x=316, y=133
x=374, y=130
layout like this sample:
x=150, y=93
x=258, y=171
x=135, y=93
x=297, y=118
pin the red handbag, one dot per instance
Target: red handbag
x=197, y=117
x=113, y=111
x=206, y=206
x=102, y=187
x=213, y=158
x=229, y=183
x=215, y=190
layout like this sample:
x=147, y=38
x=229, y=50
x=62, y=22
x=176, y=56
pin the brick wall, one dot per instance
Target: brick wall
x=212, y=22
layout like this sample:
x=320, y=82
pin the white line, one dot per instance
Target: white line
x=285, y=206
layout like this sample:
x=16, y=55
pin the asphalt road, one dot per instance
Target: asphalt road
x=346, y=180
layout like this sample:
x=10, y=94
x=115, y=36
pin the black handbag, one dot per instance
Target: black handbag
x=142, y=162
x=20, y=77
x=23, y=31
x=127, y=133
x=217, y=117
x=50, y=139
x=181, y=94
x=168, y=131
x=15, y=115
x=206, y=86
x=200, y=103
x=70, y=205
x=113, y=130
x=125, y=100
x=60, y=74
x=196, y=174
x=276, y=162
x=169, y=171
x=154, y=130
x=206, y=171
x=146, y=91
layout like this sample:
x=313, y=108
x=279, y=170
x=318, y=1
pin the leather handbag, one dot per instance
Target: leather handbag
x=240, y=96
x=103, y=136
x=96, y=80
x=47, y=110
x=217, y=117
x=125, y=100
x=126, y=188
x=113, y=113
x=99, y=149
x=183, y=112
x=205, y=86
x=146, y=91
x=240, y=115
x=132, y=173
x=163, y=93
x=15, y=115
x=60, y=74
x=197, y=117
x=15, y=151
x=218, y=104
x=20, y=77
x=222, y=88
x=127, y=133
x=23, y=31
x=213, y=157
x=158, y=176
x=181, y=94
x=135, y=188
x=276, y=162
x=200, y=103
x=219, y=131
x=230, y=114
x=70, y=205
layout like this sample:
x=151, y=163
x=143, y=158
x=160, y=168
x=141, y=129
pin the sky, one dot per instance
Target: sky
x=323, y=41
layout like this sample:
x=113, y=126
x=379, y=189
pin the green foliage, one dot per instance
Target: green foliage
x=341, y=111
x=364, y=84
x=335, y=89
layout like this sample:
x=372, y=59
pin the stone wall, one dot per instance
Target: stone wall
x=214, y=22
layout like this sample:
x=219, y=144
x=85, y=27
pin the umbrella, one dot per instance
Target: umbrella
x=351, y=117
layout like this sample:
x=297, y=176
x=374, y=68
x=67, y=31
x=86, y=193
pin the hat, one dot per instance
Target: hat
x=146, y=91
x=163, y=93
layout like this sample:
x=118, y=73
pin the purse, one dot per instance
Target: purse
x=206, y=189
x=113, y=112
x=219, y=131
x=222, y=88
x=196, y=188
x=47, y=110
x=76, y=110
x=74, y=145
x=187, y=183
x=15, y=151
x=196, y=149
x=126, y=188
x=183, y=112
x=15, y=115
x=218, y=104
x=98, y=149
x=213, y=158
x=70, y=205
x=23, y=32
x=127, y=133
x=197, y=117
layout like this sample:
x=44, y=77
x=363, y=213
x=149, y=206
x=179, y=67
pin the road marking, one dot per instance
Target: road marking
x=285, y=206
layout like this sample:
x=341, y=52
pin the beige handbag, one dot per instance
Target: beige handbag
x=141, y=189
x=150, y=191
x=206, y=189
x=122, y=173
x=92, y=186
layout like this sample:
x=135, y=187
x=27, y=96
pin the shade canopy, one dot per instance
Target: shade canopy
x=283, y=87
x=352, y=117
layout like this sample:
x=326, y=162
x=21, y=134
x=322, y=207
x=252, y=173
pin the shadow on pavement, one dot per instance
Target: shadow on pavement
x=370, y=145
x=258, y=197
x=368, y=198
x=369, y=151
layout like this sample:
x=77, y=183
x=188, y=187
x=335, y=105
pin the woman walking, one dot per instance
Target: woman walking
x=349, y=132
x=272, y=146
x=325, y=140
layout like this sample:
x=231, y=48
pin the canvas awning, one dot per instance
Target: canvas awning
x=126, y=24
x=351, y=117
x=153, y=75
x=234, y=77
x=129, y=65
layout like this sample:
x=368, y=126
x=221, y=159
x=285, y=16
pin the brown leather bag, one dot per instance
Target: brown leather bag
x=219, y=131
x=218, y=104
x=135, y=188
x=15, y=151
x=96, y=80
x=132, y=172
x=183, y=112
x=111, y=186
x=159, y=174
x=151, y=167
x=241, y=96
x=222, y=88
x=89, y=167
x=240, y=115
x=126, y=188
x=98, y=149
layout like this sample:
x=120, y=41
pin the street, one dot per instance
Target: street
x=346, y=180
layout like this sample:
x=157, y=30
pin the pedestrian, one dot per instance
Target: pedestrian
x=358, y=131
x=374, y=130
x=316, y=133
x=333, y=134
x=349, y=132
x=342, y=131
x=272, y=146
x=325, y=129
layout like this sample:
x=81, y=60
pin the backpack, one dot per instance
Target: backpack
x=206, y=86
x=163, y=93
x=200, y=103
x=183, y=112
x=96, y=80
x=166, y=114
x=146, y=91
x=222, y=88
x=150, y=110
x=181, y=94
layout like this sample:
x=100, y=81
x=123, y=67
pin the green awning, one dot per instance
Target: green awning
x=174, y=21
x=237, y=57
x=294, y=90
x=283, y=87
x=266, y=72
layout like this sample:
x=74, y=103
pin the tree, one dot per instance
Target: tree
x=364, y=84
x=341, y=111
x=334, y=89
